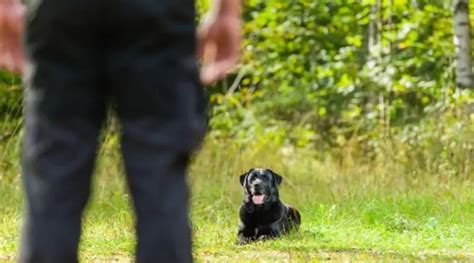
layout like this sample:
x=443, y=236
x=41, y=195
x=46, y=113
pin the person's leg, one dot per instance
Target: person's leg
x=153, y=75
x=64, y=109
x=157, y=182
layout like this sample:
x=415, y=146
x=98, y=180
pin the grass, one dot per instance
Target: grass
x=351, y=210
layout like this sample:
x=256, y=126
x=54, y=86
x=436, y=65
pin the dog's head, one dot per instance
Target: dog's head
x=260, y=185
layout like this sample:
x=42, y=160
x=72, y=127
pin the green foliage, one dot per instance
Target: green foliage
x=10, y=96
x=331, y=74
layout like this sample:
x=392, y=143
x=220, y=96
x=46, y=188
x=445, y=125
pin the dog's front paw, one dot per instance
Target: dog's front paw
x=243, y=241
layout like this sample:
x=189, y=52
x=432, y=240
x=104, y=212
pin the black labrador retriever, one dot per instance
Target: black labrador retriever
x=262, y=214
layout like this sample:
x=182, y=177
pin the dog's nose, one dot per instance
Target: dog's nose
x=258, y=185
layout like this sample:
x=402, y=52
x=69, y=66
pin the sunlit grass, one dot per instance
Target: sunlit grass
x=350, y=210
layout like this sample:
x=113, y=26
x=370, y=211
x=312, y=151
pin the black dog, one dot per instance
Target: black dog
x=262, y=214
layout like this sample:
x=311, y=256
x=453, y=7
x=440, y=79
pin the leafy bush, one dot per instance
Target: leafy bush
x=338, y=73
x=348, y=79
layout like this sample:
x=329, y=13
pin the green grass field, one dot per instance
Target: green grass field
x=350, y=210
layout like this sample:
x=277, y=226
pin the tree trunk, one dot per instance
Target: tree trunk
x=462, y=42
x=375, y=31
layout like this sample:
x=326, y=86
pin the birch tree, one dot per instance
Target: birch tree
x=462, y=42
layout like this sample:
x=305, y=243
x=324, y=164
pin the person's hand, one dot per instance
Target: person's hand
x=219, y=38
x=11, y=26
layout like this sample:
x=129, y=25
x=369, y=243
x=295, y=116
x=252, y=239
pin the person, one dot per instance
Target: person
x=80, y=56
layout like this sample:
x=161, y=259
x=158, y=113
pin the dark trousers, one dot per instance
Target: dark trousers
x=83, y=55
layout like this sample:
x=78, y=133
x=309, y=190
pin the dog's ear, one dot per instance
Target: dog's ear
x=243, y=177
x=276, y=178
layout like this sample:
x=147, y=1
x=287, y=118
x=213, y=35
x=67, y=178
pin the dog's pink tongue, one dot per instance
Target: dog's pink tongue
x=258, y=199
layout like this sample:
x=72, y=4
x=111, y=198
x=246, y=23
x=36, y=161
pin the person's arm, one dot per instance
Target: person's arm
x=227, y=7
x=219, y=39
x=11, y=27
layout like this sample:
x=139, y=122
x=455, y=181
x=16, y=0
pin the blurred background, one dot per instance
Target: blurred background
x=351, y=79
